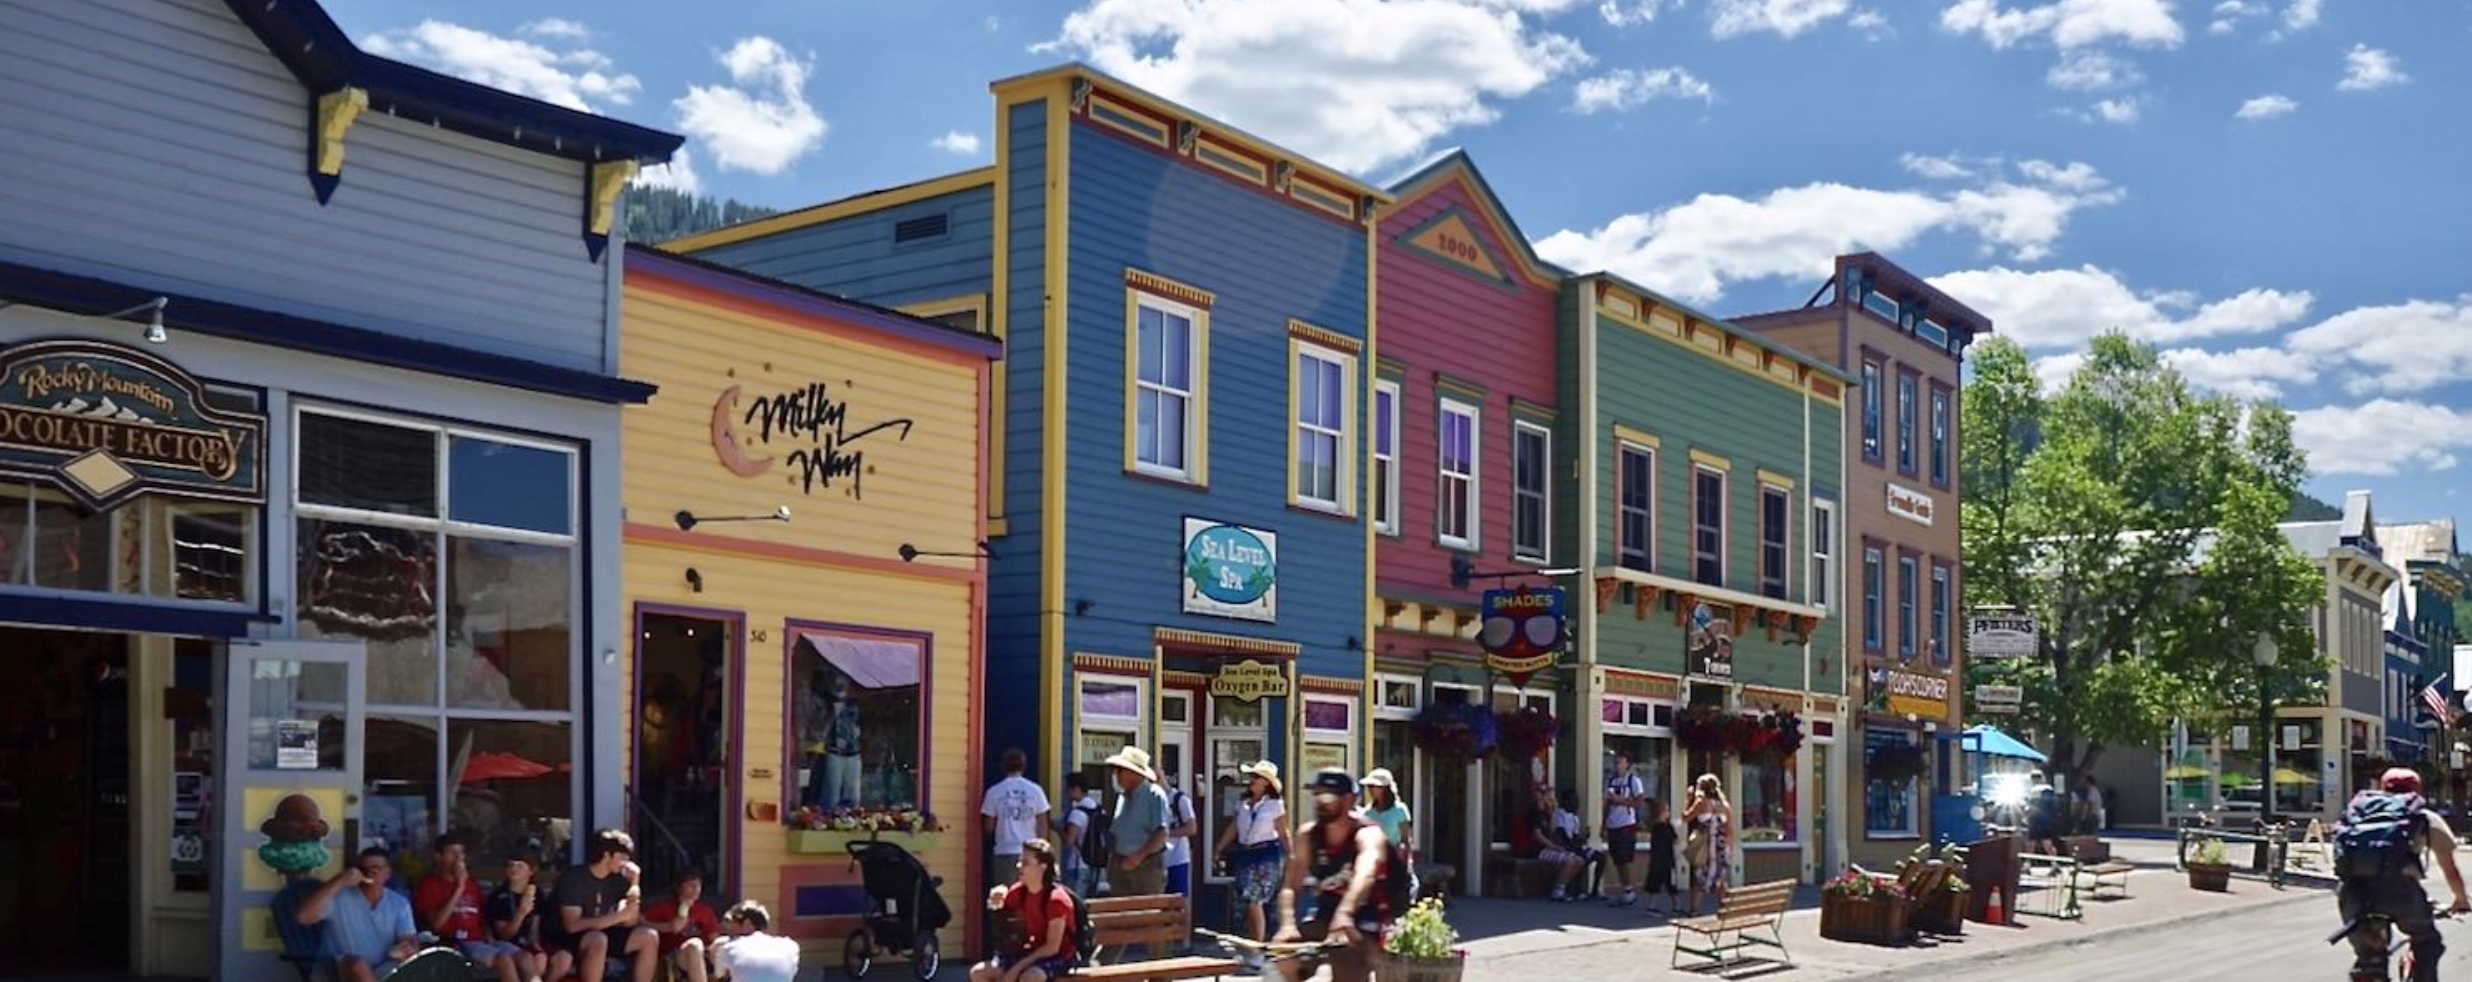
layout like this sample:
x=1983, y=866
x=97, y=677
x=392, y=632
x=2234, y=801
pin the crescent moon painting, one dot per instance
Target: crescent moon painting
x=725, y=444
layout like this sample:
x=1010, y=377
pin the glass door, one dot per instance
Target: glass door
x=293, y=800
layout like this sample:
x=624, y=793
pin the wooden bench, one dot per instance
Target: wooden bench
x=2088, y=849
x=2111, y=875
x=1723, y=937
x=1154, y=922
x=1512, y=878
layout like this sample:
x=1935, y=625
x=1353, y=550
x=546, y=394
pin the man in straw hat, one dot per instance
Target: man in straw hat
x=1138, y=867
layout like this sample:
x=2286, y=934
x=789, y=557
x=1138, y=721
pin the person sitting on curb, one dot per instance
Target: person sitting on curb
x=369, y=932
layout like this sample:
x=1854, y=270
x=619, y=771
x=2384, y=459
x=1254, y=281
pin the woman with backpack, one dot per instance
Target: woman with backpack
x=1046, y=913
x=1259, y=840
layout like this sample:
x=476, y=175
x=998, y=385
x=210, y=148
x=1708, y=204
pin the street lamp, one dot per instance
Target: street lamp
x=2266, y=652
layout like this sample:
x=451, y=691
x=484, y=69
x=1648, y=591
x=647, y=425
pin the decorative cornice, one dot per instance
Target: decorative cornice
x=1153, y=283
x=1203, y=642
x=1325, y=337
x=1331, y=686
x=1110, y=664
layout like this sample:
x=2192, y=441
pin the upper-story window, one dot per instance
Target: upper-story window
x=1325, y=401
x=1386, y=457
x=1872, y=577
x=1708, y=525
x=1871, y=411
x=1939, y=436
x=1824, y=554
x=1455, y=513
x=1635, y=470
x=1905, y=422
x=1906, y=588
x=1775, y=503
x=1531, y=504
x=1167, y=402
x=1943, y=625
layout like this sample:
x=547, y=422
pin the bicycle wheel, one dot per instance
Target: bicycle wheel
x=927, y=957
x=858, y=954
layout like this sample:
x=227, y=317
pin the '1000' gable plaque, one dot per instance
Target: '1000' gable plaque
x=105, y=422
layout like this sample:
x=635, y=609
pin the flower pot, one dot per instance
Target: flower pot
x=1880, y=919
x=1943, y=913
x=1392, y=967
x=2210, y=878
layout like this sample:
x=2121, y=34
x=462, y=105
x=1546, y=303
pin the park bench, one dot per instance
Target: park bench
x=2109, y=875
x=1721, y=939
x=1154, y=922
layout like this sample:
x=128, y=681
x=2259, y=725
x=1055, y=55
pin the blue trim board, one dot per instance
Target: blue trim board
x=57, y=610
x=324, y=59
x=90, y=296
x=714, y=276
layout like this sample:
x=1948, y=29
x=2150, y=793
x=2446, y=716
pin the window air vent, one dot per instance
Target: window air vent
x=928, y=227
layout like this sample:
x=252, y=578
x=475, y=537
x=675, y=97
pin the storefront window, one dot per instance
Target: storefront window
x=2186, y=778
x=296, y=715
x=1889, y=806
x=855, y=701
x=151, y=545
x=1329, y=730
x=1768, y=801
x=1111, y=720
x=449, y=556
x=1652, y=759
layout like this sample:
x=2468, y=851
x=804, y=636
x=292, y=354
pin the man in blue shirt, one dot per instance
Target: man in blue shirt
x=368, y=928
x=1139, y=831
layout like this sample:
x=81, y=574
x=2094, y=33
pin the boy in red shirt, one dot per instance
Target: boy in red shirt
x=688, y=928
x=1045, y=911
x=448, y=903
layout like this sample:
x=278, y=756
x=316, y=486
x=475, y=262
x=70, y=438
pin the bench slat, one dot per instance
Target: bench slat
x=1162, y=970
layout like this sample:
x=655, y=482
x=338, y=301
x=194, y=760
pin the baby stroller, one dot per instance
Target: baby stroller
x=904, y=911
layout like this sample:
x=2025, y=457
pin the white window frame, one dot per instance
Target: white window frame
x=1538, y=552
x=1388, y=711
x=1083, y=722
x=1343, y=439
x=1472, y=479
x=1725, y=518
x=1627, y=728
x=1344, y=739
x=1195, y=325
x=1386, y=488
x=1784, y=573
x=1623, y=512
x=1823, y=554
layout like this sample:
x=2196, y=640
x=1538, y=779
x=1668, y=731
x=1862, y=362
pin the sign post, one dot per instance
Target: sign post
x=2003, y=700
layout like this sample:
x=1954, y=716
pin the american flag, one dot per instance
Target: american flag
x=2441, y=707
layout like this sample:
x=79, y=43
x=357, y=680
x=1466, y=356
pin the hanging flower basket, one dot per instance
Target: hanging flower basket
x=1455, y=732
x=1701, y=728
x=1779, y=736
x=1528, y=732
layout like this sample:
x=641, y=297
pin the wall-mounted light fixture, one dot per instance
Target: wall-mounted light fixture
x=155, y=334
x=687, y=520
x=910, y=553
x=1082, y=607
x=695, y=582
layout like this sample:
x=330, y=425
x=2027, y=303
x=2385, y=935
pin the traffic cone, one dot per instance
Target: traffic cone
x=1995, y=912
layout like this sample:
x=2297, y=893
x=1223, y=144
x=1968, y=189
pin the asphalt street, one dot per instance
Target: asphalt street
x=2278, y=943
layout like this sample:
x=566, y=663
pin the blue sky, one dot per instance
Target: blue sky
x=2275, y=191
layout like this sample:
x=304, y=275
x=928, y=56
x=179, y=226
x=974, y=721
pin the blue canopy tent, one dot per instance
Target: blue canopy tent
x=1959, y=817
x=1991, y=741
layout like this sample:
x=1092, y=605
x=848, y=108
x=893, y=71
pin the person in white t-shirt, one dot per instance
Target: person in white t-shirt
x=1625, y=795
x=750, y=954
x=1017, y=809
x=1182, y=826
x=1075, y=843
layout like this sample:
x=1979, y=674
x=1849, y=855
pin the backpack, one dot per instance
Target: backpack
x=1094, y=848
x=1085, y=946
x=2380, y=836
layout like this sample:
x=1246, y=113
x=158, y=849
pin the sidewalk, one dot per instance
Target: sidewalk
x=1531, y=939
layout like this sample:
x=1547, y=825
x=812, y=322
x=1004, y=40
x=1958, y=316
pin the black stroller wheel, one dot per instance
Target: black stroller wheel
x=858, y=954
x=928, y=958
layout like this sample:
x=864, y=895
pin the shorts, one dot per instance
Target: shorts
x=573, y=944
x=1624, y=842
x=484, y=952
x=1180, y=880
x=1056, y=966
x=1259, y=873
x=1559, y=856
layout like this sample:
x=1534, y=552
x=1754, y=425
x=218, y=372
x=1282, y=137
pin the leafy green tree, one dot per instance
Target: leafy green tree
x=2136, y=519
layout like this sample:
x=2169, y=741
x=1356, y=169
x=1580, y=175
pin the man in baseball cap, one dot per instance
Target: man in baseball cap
x=2379, y=852
x=1347, y=862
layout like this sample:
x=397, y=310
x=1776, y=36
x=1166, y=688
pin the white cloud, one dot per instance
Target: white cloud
x=557, y=27
x=2367, y=69
x=2229, y=14
x=1872, y=23
x=2054, y=370
x=677, y=175
x=2242, y=373
x=2122, y=111
x=2382, y=437
x=2067, y=23
x=1628, y=88
x=1353, y=83
x=2405, y=347
x=761, y=122
x=1786, y=18
x=2092, y=71
x=2302, y=14
x=1948, y=168
x=1696, y=248
x=1634, y=13
x=2061, y=309
x=2266, y=107
x=575, y=77
x=957, y=143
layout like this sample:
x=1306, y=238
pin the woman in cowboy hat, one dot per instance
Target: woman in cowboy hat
x=1259, y=837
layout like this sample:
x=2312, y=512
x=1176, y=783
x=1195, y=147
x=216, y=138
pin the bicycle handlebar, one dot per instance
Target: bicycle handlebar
x=2437, y=912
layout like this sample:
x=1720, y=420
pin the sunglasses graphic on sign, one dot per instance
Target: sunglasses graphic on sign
x=1523, y=631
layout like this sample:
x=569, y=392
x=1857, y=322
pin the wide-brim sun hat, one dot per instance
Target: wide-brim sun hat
x=1134, y=759
x=1380, y=777
x=1265, y=770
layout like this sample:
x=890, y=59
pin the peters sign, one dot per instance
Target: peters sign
x=105, y=422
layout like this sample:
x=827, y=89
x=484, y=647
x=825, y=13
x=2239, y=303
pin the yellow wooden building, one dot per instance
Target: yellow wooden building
x=806, y=587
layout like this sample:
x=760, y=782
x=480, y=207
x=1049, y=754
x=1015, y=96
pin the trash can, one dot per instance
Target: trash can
x=1991, y=866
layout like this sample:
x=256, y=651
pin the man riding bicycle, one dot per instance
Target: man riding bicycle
x=1345, y=860
x=2379, y=852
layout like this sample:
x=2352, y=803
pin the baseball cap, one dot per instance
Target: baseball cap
x=2402, y=780
x=1332, y=780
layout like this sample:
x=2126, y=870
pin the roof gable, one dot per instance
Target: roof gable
x=1456, y=169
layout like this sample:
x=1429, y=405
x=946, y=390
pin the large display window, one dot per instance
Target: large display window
x=858, y=716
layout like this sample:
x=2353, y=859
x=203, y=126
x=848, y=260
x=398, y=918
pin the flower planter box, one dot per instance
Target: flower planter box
x=1390, y=967
x=2212, y=879
x=1943, y=913
x=811, y=842
x=1881, y=919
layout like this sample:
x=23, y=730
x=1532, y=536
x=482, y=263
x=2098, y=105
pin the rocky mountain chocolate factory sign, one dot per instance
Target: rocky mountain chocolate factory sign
x=104, y=422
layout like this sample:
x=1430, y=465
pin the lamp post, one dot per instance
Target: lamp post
x=2266, y=652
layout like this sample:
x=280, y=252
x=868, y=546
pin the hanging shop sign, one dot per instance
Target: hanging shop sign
x=1230, y=570
x=1708, y=643
x=1911, y=694
x=1523, y=631
x=104, y=422
x=1909, y=504
x=1998, y=699
x=1249, y=681
x=1996, y=636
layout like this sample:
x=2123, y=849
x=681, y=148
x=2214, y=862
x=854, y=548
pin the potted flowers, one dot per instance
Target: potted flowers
x=1859, y=907
x=816, y=831
x=2209, y=869
x=1421, y=947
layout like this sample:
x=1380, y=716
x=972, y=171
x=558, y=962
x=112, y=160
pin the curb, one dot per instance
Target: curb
x=1980, y=958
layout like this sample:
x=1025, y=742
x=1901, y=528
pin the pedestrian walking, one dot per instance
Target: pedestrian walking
x=1664, y=847
x=1625, y=795
x=1016, y=810
x=1711, y=844
x=1253, y=848
x=1137, y=864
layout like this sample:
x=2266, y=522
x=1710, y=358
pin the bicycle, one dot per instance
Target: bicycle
x=2402, y=960
x=1302, y=953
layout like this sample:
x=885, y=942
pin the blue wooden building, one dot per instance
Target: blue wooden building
x=1181, y=532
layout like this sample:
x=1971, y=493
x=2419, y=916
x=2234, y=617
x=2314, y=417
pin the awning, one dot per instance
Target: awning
x=872, y=663
x=1987, y=739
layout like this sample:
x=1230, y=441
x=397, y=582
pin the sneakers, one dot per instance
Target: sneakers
x=1627, y=899
x=1559, y=897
